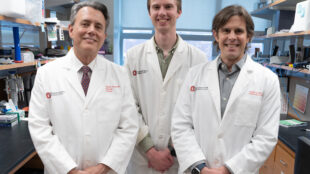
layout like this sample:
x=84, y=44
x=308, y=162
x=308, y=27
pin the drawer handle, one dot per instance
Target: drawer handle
x=283, y=163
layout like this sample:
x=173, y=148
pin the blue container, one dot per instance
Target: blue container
x=18, y=57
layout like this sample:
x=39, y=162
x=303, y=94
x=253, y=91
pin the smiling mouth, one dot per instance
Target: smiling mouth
x=231, y=45
x=90, y=39
x=162, y=20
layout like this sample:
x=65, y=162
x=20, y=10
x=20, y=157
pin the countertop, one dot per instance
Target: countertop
x=15, y=146
x=289, y=135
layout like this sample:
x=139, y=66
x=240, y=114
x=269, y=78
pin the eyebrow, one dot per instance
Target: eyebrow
x=89, y=21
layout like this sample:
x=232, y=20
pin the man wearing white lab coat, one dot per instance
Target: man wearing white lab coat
x=157, y=69
x=90, y=127
x=226, y=117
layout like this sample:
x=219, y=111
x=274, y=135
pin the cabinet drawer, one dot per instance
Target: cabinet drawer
x=284, y=162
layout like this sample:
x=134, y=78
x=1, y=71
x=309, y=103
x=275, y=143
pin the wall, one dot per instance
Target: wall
x=260, y=24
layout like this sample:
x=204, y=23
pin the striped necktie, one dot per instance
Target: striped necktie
x=85, y=78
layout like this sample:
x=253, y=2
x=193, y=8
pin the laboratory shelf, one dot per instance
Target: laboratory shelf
x=275, y=35
x=18, y=68
x=289, y=71
x=17, y=20
x=24, y=21
x=268, y=11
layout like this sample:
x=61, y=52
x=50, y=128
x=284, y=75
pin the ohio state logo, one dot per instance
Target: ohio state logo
x=193, y=88
x=48, y=95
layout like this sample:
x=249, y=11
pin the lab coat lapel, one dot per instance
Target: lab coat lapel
x=176, y=61
x=96, y=79
x=72, y=76
x=152, y=59
x=214, y=87
x=241, y=83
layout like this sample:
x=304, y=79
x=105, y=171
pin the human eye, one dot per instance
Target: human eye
x=155, y=7
x=169, y=6
x=84, y=24
x=239, y=31
x=226, y=30
x=99, y=26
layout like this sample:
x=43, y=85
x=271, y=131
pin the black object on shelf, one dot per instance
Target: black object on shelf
x=302, y=157
x=55, y=52
x=275, y=50
x=292, y=53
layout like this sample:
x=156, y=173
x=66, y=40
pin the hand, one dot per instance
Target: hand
x=221, y=170
x=159, y=160
x=75, y=171
x=98, y=169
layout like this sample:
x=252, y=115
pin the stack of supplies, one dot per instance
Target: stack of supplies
x=8, y=120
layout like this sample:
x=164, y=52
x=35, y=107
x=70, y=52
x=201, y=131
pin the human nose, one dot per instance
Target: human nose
x=91, y=29
x=162, y=11
x=232, y=35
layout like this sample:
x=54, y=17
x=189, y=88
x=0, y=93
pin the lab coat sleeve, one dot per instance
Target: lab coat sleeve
x=53, y=154
x=264, y=139
x=143, y=128
x=182, y=131
x=124, y=138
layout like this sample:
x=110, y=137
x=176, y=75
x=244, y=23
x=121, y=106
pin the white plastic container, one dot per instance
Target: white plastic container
x=302, y=17
x=34, y=11
x=13, y=8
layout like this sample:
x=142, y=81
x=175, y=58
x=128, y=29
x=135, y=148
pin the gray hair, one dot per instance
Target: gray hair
x=93, y=4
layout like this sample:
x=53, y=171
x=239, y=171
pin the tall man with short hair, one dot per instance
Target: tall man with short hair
x=82, y=116
x=157, y=69
x=226, y=118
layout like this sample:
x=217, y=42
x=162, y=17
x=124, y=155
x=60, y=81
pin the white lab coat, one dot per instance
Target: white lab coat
x=156, y=97
x=70, y=130
x=248, y=132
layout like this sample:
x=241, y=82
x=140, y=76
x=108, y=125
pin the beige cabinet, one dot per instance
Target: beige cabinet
x=281, y=161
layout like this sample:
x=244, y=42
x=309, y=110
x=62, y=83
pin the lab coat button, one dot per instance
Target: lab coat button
x=220, y=135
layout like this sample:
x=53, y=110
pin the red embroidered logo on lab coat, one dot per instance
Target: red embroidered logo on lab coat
x=196, y=88
x=48, y=95
x=110, y=88
x=134, y=72
x=193, y=88
x=255, y=93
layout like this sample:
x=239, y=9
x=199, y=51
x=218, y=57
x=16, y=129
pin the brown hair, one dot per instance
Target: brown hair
x=222, y=17
x=179, y=5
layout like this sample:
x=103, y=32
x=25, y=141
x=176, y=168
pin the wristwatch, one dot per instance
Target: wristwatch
x=198, y=168
x=172, y=151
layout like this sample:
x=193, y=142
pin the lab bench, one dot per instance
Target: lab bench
x=16, y=147
x=282, y=159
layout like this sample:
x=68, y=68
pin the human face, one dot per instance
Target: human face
x=232, y=39
x=164, y=14
x=88, y=31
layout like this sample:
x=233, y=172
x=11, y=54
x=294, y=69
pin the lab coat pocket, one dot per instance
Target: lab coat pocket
x=246, y=110
x=109, y=108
